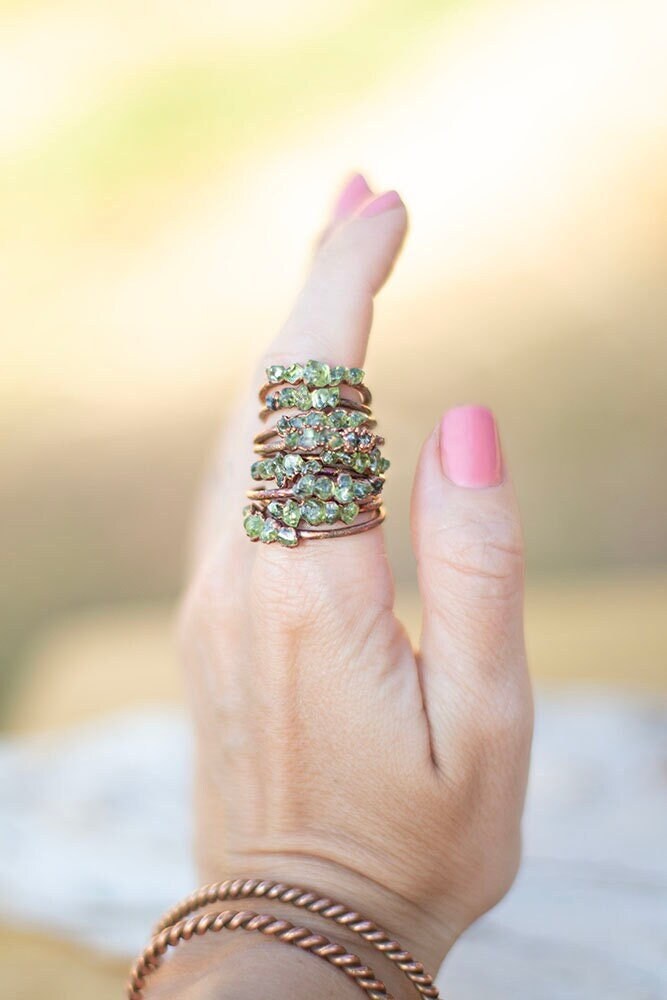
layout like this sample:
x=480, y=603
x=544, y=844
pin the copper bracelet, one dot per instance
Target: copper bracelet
x=247, y=920
x=321, y=457
x=306, y=899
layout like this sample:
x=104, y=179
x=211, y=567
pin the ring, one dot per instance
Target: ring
x=320, y=465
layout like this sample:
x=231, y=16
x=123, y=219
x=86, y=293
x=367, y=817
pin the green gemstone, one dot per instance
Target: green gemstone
x=335, y=441
x=275, y=373
x=323, y=488
x=345, y=458
x=316, y=373
x=287, y=397
x=338, y=419
x=355, y=376
x=284, y=424
x=312, y=467
x=279, y=475
x=291, y=514
x=331, y=512
x=344, y=488
x=288, y=536
x=349, y=512
x=384, y=465
x=302, y=398
x=292, y=439
x=292, y=464
x=314, y=419
x=253, y=525
x=293, y=373
x=320, y=398
x=305, y=486
x=327, y=457
x=275, y=509
x=310, y=438
x=337, y=375
x=360, y=463
x=256, y=470
x=269, y=531
x=361, y=488
x=313, y=511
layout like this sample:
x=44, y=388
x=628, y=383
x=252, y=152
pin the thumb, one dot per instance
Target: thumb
x=468, y=543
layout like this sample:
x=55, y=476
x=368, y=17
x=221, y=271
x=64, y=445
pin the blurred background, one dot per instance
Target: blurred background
x=164, y=170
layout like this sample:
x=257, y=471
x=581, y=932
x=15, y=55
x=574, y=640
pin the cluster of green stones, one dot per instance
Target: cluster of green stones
x=328, y=462
x=316, y=374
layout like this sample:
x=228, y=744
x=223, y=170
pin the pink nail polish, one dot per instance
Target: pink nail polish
x=470, y=447
x=382, y=203
x=354, y=194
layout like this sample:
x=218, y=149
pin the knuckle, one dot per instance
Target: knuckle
x=486, y=556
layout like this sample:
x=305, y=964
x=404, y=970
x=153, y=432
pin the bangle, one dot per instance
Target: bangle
x=247, y=920
x=308, y=900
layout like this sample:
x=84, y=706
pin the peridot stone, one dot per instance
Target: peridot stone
x=253, y=525
x=293, y=373
x=287, y=396
x=320, y=398
x=316, y=373
x=288, y=536
x=291, y=514
x=275, y=373
x=292, y=439
x=349, y=512
x=312, y=467
x=323, y=488
x=335, y=440
x=337, y=374
x=361, y=488
x=313, y=511
x=331, y=512
x=302, y=398
x=256, y=470
x=292, y=464
x=338, y=419
x=344, y=489
x=304, y=486
x=269, y=532
x=275, y=509
x=360, y=463
x=355, y=376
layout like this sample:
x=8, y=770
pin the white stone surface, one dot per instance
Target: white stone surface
x=94, y=844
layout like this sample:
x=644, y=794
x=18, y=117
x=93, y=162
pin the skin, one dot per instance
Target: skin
x=329, y=753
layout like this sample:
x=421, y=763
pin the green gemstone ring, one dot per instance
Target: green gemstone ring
x=319, y=466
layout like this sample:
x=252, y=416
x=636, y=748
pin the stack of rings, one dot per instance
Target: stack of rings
x=321, y=467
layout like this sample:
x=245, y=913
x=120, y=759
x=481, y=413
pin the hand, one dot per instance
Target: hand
x=329, y=753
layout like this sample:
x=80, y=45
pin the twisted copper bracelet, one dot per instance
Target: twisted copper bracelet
x=247, y=920
x=321, y=453
x=307, y=900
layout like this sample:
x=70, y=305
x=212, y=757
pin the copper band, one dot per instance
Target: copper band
x=306, y=899
x=247, y=920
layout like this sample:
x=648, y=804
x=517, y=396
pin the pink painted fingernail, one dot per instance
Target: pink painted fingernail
x=354, y=194
x=382, y=203
x=470, y=448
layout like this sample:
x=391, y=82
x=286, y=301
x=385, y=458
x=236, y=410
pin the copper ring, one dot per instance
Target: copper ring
x=320, y=462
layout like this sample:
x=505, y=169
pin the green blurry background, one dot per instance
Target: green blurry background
x=164, y=169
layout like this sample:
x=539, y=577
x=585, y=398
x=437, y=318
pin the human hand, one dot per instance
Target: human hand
x=329, y=753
